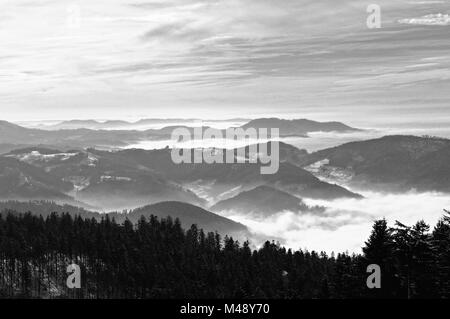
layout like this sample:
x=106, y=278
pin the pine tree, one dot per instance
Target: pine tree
x=424, y=263
x=441, y=248
x=156, y=258
x=379, y=250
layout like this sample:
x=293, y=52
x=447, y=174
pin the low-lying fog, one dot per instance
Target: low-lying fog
x=346, y=223
x=316, y=141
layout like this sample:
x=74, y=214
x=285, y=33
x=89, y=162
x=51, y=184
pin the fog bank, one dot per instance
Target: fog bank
x=346, y=224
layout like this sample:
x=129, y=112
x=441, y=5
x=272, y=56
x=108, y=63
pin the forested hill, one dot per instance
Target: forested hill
x=187, y=214
x=396, y=163
x=158, y=259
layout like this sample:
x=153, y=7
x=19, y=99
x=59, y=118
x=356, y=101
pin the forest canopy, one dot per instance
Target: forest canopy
x=156, y=258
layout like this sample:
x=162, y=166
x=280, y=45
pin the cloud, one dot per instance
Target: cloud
x=222, y=56
x=184, y=30
x=153, y=4
x=429, y=19
x=346, y=224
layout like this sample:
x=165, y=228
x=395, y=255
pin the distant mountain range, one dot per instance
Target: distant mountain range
x=126, y=125
x=186, y=213
x=139, y=179
x=15, y=134
x=80, y=138
x=392, y=163
x=132, y=178
x=287, y=127
x=90, y=133
x=300, y=127
x=220, y=178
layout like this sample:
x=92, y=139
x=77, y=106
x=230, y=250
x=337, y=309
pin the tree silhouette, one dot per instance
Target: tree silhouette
x=156, y=258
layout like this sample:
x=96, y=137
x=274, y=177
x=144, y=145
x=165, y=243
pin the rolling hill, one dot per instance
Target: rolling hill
x=263, y=201
x=391, y=163
x=186, y=213
x=299, y=127
x=190, y=214
x=96, y=178
x=223, y=177
x=19, y=180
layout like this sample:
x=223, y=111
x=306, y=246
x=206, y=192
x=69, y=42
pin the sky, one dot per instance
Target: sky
x=131, y=59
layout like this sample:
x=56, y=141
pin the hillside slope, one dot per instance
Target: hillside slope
x=391, y=163
x=262, y=201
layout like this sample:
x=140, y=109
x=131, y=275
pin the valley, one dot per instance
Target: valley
x=317, y=192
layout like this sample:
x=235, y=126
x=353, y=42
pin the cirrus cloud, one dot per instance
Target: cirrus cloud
x=429, y=19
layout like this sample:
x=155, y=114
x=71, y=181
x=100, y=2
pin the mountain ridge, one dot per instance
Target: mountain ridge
x=77, y=135
x=396, y=163
x=299, y=127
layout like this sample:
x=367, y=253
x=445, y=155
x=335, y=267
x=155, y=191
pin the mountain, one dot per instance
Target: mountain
x=74, y=124
x=300, y=182
x=46, y=208
x=300, y=127
x=263, y=201
x=113, y=134
x=287, y=153
x=391, y=163
x=8, y=147
x=215, y=181
x=19, y=180
x=190, y=214
x=15, y=134
x=131, y=178
x=97, y=178
x=78, y=137
x=74, y=137
x=89, y=124
x=125, y=125
x=186, y=213
x=120, y=192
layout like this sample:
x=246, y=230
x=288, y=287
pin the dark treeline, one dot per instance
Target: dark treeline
x=158, y=259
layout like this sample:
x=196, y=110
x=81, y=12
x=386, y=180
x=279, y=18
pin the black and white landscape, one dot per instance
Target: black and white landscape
x=91, y=95
x=333, y=193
